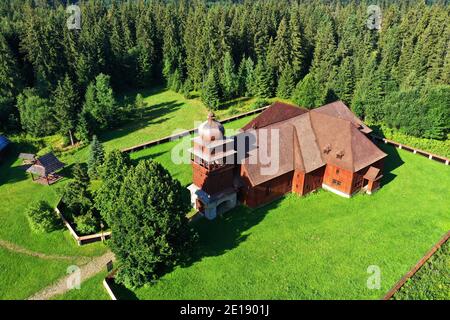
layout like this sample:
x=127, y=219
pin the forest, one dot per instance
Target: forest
x=54, y=79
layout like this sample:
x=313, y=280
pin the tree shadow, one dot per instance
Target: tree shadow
x=150, y=115
x=216, y=238
x=234, y=102
x=10, y=173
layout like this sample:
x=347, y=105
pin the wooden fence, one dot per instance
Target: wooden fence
x=82, y=239
x=106, y=283
x=419, y=264
x=424, y=153
x=173, y=137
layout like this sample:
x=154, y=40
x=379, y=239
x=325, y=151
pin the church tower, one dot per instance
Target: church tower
x=212, y=159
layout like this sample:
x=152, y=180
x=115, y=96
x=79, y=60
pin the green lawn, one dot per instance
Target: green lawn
x=303, y=243
x=91, y=289
x=319, y=246
x=166, y=112
x=22, y=275
x=432, y=281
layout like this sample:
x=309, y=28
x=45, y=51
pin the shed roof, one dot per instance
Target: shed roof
x=45, y=165
x=27, y=156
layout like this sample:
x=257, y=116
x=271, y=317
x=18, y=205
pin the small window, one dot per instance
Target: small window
x=337, y=170
x=336, y=182
x=213, y=138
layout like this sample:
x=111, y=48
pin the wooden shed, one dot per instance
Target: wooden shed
x=45, y=168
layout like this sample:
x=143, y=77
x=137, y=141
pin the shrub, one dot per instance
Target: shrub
x=42, y=217
x=86, y=223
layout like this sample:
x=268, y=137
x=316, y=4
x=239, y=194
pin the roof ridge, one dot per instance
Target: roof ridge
x=296, y=142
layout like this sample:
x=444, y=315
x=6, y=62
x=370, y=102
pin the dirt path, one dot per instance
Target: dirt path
x=86, y=271
x=18, y=249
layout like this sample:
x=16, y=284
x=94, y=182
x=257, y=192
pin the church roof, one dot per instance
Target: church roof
x=308, y=141
x=277, y=112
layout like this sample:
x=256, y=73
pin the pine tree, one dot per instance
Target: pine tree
x=344, y=82
x=297, y=54
x=324, y=60
x=264, y=81
x=286, y=84
x=83, y=130
x=80, y=174
x=211, y=90
x=308, y=93
x=150, y=235
x=368, y=92
x=65, y=104
x=281, y=49
x=250, y=84
x=96, y=158
x=9, y=82
x=229, y=79
x=112, y=173
x=100, y=102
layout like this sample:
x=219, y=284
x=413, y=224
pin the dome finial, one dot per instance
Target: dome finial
x=211, y=116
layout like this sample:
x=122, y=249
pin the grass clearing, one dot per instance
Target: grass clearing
x=22, y=275
x=319, y=246
x=431, y=281
x=91, y=289
x=166, y=111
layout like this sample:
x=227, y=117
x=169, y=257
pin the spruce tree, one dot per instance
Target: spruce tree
x=250, y=88
x=344, y=83
x=112, y=172
x=367, y=97
x=308, y=93
x=96, y=158
x=229, y=79
x=150, y=235
x=264, y=81
x=286, y=84
x=297, y=53
x=65, y=104
x=9, y=82
x=211, y=90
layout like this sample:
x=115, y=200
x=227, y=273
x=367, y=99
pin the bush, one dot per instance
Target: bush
x=86, y=223
x=42, y=217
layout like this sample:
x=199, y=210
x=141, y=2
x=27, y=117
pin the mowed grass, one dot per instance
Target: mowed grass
x=319, y=246
x=22, y=275
x=91, y=289
x=166, y=111
x=431, y=281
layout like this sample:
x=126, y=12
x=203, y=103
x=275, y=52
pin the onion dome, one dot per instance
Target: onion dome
x=211, y=130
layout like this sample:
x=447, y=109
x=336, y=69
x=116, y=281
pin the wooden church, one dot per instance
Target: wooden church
x=284, y=149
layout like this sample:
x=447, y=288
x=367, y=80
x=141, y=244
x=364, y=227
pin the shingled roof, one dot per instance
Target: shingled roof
x=277, y=112
x=45, y=165
x=309, y=140
x=339, y=110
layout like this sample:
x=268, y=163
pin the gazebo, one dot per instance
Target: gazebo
x=45, y=168
x=28, y=158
